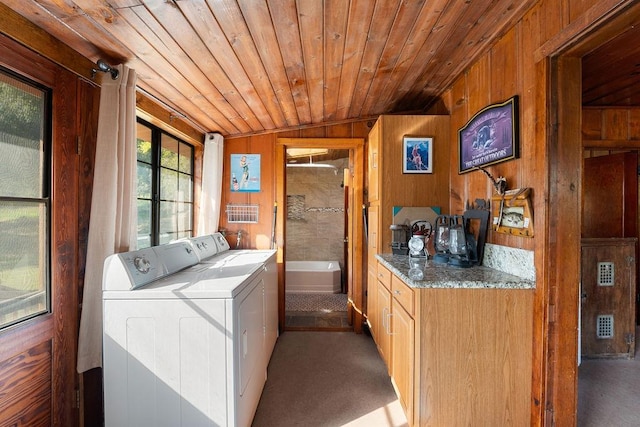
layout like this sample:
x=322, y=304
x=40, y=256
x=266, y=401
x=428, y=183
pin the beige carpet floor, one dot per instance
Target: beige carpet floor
x=609, y=391
x=327, y=379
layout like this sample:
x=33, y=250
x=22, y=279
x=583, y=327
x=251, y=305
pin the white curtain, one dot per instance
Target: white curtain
x=211, y=193
x=112, y=226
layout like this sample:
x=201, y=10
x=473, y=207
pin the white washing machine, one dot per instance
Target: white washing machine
x=214, y=249
x=187, y=334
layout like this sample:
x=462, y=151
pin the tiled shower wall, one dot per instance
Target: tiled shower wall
x=315, y=213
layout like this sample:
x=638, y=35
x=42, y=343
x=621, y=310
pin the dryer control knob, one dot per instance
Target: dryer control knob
x=142, y=264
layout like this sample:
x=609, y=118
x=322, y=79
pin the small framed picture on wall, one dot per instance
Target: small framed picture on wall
x=417, y=154
x=245, y=173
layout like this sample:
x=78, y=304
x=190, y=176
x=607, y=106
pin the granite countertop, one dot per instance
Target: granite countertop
x=422, y=273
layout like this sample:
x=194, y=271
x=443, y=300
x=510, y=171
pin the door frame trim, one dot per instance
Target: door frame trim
x=356, y=147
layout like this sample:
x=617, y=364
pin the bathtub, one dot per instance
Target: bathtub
x=313, y=276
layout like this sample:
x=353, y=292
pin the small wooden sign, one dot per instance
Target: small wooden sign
x=512, y=213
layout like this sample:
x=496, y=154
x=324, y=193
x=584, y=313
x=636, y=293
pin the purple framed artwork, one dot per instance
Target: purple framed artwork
x=491, y=136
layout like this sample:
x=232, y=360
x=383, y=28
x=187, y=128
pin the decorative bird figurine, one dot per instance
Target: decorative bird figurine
x=499, y=184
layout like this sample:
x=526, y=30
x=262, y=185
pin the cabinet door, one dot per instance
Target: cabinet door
x=373, y=164
x=372, y=233
x=402, y=363
x=608, y=297
x=372, y=306
x=383, y=300
x=270, y=307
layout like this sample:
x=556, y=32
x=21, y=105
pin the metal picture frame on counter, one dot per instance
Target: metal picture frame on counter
x=417, y=154
x=490, y=136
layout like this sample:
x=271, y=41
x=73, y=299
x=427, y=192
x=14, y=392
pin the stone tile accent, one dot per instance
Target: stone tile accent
x=315, y=213
x=518, y=262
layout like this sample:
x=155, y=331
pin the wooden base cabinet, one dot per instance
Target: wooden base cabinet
x=395, y=336
x=382, y=314
x=459, y=356
x=402, y=350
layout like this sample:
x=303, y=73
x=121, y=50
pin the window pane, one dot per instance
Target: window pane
x=169, y=152
x=168, y=184
x=185, y=158
x=145, y=183
x=168, y=217
x=185, y=190
x=144, y=242
x=167, y=238
x=143, y=134
x=24, y=260
x=24, y=227
x=22, y=110
x=144, y=223
x=164, y=188
x=184, y=216
x=184, y=234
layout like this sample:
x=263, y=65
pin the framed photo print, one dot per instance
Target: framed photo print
x=417, y=154
x=491, y=136
x=245, y=173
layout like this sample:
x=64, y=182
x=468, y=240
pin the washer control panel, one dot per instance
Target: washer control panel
x=135, y=269
x=176, y=256
x=131, y=270
x=204, y=246
x=222, y=243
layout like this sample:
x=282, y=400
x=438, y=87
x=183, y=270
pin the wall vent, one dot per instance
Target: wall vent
x=606, y=274
x=604, y=326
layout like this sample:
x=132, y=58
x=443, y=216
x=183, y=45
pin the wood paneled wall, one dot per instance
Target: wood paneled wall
x=495, y=77
x=258, y=236
x=507, y=69
x=609, y=130
x=520, y=64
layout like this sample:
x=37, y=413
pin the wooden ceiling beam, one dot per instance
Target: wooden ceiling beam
x=16, y=27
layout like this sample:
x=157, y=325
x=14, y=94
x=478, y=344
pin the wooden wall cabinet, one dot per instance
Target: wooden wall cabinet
x=387, y=186
x=373, y=164
x=456, y=356
x=391, y=321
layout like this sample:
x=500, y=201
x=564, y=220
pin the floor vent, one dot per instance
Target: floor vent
x=604, y=326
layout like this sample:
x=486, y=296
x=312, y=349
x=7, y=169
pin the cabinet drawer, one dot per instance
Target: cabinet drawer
x=384, y=276
x=403, y=294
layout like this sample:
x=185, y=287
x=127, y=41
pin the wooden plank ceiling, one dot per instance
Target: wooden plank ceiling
x=611, y=73
x=250, y=66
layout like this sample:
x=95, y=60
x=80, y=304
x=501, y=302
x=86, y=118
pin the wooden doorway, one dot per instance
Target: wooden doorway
x=565, y=148
x=610, y=199
x=354, y=228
